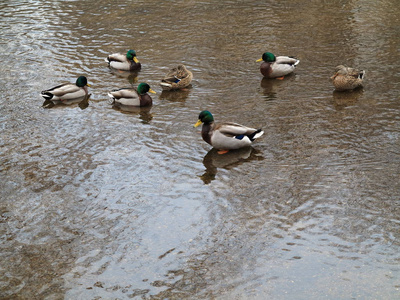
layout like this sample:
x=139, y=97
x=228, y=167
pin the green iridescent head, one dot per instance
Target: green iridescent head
x=130, y=54
x=143, y=88
x=268, y=57
x=81, y=81
x=204, y=117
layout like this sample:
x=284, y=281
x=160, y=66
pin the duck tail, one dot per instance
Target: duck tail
x=256, y=134
x=361, y=74
x=46, y=95
x=111, y=100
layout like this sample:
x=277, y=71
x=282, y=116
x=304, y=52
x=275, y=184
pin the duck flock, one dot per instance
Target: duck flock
x=222, y=136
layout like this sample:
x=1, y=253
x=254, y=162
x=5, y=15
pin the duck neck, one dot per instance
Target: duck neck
x=206, y=132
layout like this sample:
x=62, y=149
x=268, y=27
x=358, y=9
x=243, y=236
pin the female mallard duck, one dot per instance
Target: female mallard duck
x=66, y=92
x=132, y=97
x=226, y=136
x=277, y=66
x=346, y=78
x=128, y=62
x=177, y=78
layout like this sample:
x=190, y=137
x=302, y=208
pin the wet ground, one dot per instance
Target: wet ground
x=99, y=203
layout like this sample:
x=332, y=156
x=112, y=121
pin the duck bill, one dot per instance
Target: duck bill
x=258, y=60
x=151, y=91
x=135, y=59
x=198, y=123
x=87, y=84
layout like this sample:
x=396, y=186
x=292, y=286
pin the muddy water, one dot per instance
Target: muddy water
x=99, y=203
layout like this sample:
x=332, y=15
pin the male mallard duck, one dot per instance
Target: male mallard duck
x=177, y=78
x=132, y=97
x=346, y=78
x=226, y=136
x=66, y=92
x=277, y=66
x=128, y=62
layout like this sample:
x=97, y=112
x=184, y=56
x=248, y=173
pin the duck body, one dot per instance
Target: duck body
x=228, y=135
x=178, y=77
x=67, y=92
x=132, y=97
x=346, y=78
x=277, y=66
x=128, y=62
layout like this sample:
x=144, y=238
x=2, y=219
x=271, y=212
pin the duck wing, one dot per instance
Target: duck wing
x=125, y=96
x=65, y=91
x=118, y=57
x=287, y=60
x=234, y=129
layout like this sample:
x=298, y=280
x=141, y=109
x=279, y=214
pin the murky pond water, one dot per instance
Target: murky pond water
x=98, y=203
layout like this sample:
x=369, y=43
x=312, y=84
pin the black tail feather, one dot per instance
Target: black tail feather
x=251, y=136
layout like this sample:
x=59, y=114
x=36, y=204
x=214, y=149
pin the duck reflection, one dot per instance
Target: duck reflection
x=132, y=77
x=143, y=112
x=212, y=161
x=346, y=98
x=83, y=102
x=269, y=88
x=175, y=95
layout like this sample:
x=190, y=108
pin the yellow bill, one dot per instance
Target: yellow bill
x=258, y=60
x=151, y=91
x=135, y=59
x=198, y=123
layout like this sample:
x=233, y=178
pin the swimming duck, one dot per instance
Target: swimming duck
x=277, y=66
x=177, y=78
x=346, y=78
x=226, y=136
x=66, y=92
x=128, y=62
x=132, y=97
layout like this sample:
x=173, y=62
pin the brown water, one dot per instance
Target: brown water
x=98, y=203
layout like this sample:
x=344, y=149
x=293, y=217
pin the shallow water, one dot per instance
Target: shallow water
x=99, y=203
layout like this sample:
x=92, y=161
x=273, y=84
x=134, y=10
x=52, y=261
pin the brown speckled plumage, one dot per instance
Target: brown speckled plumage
x=177, y=78
x=346, y=78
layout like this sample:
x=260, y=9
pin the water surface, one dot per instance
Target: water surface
x=99, y=203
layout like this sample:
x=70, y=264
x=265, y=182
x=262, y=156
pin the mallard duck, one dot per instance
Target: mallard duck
x=226, y=136
x=346, y=78
x=277, y=66
x=66, y=92
x=132, y=97
x=128, y=62
x=177, y=78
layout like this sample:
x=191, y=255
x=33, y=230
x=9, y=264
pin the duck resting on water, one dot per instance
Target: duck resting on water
x=178, y=77
x=277, y=66
x=226, y=136
x=346, y=78
x=66, y=92
x=131, y=96
x=124, y=62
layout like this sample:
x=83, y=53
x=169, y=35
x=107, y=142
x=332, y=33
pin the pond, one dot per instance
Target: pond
x=102, y=203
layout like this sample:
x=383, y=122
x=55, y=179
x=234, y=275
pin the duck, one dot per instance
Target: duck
x=66, y=92
x=346, y=78
x=277, y=66
x=131, y=96
x=178, y=77
x=128, y=62
x=226, y=136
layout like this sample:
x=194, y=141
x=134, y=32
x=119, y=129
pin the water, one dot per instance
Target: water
x=99, y=203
